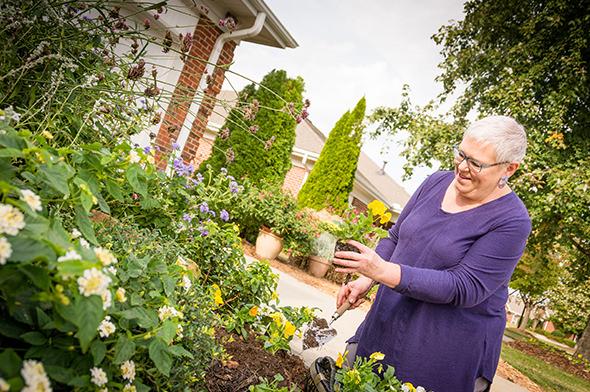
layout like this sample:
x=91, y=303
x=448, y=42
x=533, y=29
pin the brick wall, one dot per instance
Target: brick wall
x=204, y=37
x=359, y=205
x=203, y=152
x=294, y=180
x=208, y=103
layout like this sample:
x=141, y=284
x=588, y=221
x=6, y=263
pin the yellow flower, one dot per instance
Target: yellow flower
x=340, y=359
x=278, y=318
x=47, y=135
x=385, y=218
x=253, y=311
x=274, y=296
x=377, y=356
x=377, y=207
x=120, y=295
x=217, y=295
x=289, y=330
x=354, y=376
x=410, y=387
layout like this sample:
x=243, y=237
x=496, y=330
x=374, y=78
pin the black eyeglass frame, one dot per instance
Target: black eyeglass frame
x=473, y=164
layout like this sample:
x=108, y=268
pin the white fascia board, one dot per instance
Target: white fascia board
x=370, y=188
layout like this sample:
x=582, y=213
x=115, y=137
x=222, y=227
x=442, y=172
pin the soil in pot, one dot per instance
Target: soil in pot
x=342, y=246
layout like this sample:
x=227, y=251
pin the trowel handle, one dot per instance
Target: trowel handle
x=343, y=308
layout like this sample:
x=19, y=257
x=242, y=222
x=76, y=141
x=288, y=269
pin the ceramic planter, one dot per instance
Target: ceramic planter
x=268, y=244
x=318, y=266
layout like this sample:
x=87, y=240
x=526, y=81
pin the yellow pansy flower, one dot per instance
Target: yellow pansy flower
x=354, y=376
x=278, y=318
x=377, y=356
x=217, y=295
x=385, y=218
x=289, y=329
x=340, y=359
x=253, y=311
x=377, y=207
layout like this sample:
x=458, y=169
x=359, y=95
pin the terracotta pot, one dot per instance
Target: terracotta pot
x=268, y=244
x=318, y=266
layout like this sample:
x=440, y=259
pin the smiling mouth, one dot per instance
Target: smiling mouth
x=461, y=176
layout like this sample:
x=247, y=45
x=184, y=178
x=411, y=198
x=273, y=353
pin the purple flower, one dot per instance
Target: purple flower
x=233, y=187
x=224, y=215
x=147, y=149
x=181, y=168
x=158, y=148
x=224, y=171
x=187, y=217
x=175, y=146
x=204, y=232
x=212, y=213
x=199, y=178
x=204, y=208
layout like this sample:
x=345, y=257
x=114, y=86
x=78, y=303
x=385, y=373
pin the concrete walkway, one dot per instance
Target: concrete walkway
x=292, y=292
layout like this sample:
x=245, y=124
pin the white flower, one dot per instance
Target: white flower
x=98, y=376
x=179, y=331
x=106, y=327
x=166, y=312
x=33, y=200
x=35, y=377
x=107, y=299
x=120, y=294
x=134, y=157
x=129, y=388
x=76, y=233
x=186, y=282
x=84, y=243
x=111, y=270
x=420, y=389
x=105, y=256
x=5, y=250
x=70, y=255
x=11, y=220
x=93, y=282
x=4, y=387
x=128, y=370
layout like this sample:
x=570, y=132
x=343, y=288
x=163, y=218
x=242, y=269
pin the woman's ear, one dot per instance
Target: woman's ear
x=511, y=168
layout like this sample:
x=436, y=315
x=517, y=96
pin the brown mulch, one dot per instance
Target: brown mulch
x=505, y=370
x=248, y=362
x=553, y=357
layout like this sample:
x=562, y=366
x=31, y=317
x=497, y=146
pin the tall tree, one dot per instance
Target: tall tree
x=332, y=177
x=259, y=133
x=530, y=60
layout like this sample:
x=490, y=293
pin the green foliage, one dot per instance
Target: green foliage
x=261, y=130
x=332, y=177
x=534, y=275
x=570, y=305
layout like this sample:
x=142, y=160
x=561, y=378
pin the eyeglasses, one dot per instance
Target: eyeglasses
x=474, y=165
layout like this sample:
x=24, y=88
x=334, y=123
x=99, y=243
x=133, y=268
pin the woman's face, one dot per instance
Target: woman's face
x=471, y=183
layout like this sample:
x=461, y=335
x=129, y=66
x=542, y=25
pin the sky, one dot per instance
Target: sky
x=352, y=48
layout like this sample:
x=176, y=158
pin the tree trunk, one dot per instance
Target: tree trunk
x=583, y=344
x=526, y=314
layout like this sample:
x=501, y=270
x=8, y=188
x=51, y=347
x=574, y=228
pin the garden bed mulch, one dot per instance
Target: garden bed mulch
x=249, y=362
x=553, y=357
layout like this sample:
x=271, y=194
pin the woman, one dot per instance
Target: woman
x=444, y=269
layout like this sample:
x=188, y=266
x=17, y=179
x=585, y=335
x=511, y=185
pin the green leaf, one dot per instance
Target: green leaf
x=38, y=275
x=10, y=329
x=114, y=190
x=85, y=225
x=136, y=267
x=58, y=235
x=57, y=176
x=86, y=201
x=98, y=350
x=60, y=374
x=103, y=204
x=86, y=313
x=179, y=351
x=168, y=331
x=10, y=364
x=11, y=152
x=35, y=338
x=134, y=175
x=42, y=318
x=148, y=203
x=29, y=249
x=74, y=267
x=10, y=139
x=80, y=381
x=169, y=285
x=158, y=351
x=145, y=318
x=124, y=350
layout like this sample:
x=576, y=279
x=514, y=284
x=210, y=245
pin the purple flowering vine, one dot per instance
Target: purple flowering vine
x=224, y=215
x=204, y=207
x=233, y=187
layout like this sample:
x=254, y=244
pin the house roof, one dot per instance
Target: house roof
x=244, y=11
x=310, y=139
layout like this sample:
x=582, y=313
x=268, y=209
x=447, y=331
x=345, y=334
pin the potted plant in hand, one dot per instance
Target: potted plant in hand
x=323, y=252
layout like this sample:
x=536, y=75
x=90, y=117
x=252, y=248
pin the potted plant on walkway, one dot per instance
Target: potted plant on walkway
x=323, y=253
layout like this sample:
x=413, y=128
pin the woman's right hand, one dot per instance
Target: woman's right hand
x=354, y=292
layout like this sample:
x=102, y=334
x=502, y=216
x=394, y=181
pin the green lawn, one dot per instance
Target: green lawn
x=547, y=377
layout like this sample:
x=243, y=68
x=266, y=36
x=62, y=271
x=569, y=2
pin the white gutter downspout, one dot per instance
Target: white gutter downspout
x=212, y=62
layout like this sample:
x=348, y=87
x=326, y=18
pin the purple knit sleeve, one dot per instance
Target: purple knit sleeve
x=487, y=265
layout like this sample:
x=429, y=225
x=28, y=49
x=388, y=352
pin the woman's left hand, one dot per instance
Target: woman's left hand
x=367, y=263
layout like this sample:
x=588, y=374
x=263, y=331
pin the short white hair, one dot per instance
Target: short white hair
x=504, y=133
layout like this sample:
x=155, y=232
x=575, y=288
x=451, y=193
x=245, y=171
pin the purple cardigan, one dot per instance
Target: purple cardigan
x=442, y=326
